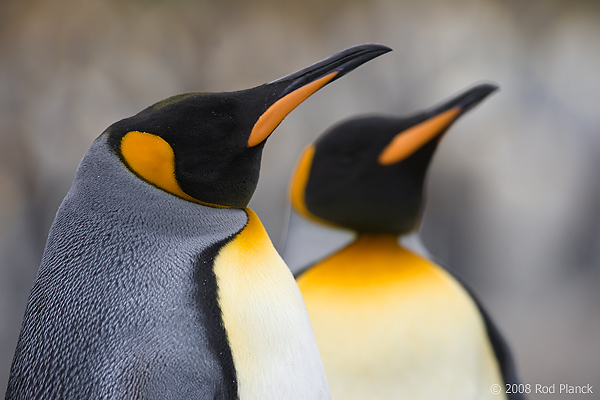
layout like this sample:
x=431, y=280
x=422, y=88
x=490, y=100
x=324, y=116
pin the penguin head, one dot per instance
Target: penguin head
x=206, y=147
x=367, y=174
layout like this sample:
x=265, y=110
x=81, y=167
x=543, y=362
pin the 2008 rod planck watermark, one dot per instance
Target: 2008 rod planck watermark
x=553, y=388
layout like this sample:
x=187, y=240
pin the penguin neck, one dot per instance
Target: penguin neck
x=384, y=241
x=374, y=245
x=385, y=257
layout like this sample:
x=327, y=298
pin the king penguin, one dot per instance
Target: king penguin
x=389, y=322
x=156, y=281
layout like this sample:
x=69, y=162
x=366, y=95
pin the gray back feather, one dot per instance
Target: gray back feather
x=114, y=310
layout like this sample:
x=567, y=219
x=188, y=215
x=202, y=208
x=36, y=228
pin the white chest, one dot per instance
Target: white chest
x=268, y=328
x=391, y=325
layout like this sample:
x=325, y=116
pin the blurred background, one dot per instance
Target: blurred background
x=513, y=191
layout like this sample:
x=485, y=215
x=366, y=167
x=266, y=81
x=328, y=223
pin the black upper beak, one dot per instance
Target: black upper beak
x=433, y=124
x=467, y=100
x=340, y=63
x=285, y=94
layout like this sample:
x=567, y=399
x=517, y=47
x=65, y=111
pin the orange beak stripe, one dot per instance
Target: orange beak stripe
x=282, y=107
x=407, y=142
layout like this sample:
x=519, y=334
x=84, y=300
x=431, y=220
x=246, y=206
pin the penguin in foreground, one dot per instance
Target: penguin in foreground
x=157, y=282
x=390, y=323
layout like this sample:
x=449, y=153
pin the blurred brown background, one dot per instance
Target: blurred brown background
x=513, y=191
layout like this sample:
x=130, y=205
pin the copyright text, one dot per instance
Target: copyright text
x=526, y=388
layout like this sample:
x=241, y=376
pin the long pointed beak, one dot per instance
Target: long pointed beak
x=467, y=100
x=297, y=87
x=440, y=118
x=340, y=63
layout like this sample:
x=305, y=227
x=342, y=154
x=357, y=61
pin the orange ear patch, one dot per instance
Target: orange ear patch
x=407, y=142
x=298, y=187
x=153, y=159
x=300, y=179
x=267, y=122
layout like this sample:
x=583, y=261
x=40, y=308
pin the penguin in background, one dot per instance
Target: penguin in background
x=390, y=323
x=156, y=281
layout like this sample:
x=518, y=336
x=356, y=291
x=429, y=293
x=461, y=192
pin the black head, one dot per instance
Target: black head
x=367, y=174
x=206, y=147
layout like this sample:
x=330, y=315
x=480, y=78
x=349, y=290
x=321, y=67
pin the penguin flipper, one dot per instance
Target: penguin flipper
x=501, y=348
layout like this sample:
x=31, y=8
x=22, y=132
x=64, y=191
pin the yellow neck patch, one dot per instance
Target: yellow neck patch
x=153, y=159
x=371, y=260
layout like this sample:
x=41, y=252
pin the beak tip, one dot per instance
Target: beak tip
x=476, y=95
x=489, y=87
x=378, y=48
x=353, y=57
x=368, y=48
